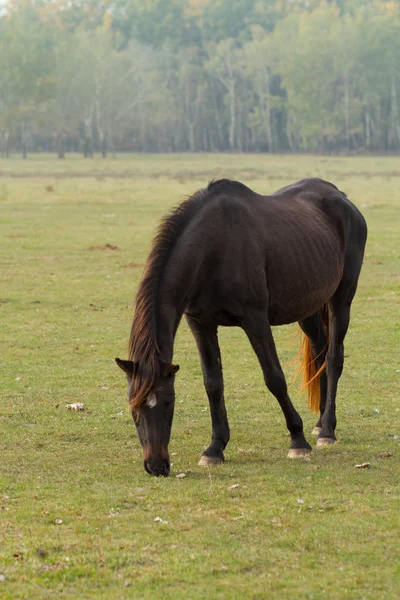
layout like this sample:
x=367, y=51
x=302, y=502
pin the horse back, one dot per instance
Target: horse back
x=287, y=251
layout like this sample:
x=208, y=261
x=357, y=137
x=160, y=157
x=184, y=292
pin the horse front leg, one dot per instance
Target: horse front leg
x=256, y=325
x=207, y=343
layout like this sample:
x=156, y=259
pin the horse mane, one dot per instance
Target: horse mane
x=144, y=349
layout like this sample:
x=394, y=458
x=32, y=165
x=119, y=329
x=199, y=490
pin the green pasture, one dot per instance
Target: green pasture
x=78, y=514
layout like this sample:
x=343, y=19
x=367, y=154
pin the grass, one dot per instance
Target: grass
x=74, y=236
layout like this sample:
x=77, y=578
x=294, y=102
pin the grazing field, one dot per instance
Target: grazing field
x=78, y=514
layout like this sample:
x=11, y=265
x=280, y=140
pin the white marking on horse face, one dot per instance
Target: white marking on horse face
x=151, y=400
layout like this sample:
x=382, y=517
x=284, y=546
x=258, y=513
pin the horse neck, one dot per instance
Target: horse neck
x=175, y=285
x=160, y=305
x=169, y=319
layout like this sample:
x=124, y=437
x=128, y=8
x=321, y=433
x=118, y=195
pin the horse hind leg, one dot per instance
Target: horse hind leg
x=258, y=330
x=339, y=318
x=207, y=343
x=314, y=328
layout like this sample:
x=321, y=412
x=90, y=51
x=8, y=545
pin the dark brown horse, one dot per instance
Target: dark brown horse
x=228, y=256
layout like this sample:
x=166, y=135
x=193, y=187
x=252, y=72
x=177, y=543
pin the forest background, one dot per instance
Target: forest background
x=199, y=75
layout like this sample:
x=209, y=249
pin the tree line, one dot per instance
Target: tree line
x=200, y=75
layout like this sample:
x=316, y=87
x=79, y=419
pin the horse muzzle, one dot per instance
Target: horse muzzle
x=157, y=467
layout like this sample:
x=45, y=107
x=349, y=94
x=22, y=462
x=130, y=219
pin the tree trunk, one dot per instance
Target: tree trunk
x=60, y=146
x=367, y=130
x=275, y=138
x=289, y=134
x=394, y=131
x=5, y=144
x=87, y=147
x=381, y=143
x=346, y=111
x=88, y=136
x=110, y=140
x=191, y=136
x=239, y=140
x=23, y=144
x=217, y=119
x=104, y=146
x=232, y=100
x=205, y=142
x=270, y=138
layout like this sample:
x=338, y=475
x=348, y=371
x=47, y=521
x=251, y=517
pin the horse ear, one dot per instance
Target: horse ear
x=127, y=366
x=170, y=370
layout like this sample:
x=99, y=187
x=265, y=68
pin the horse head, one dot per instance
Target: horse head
x=152, y=411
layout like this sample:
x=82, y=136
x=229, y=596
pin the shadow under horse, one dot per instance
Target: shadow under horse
x=231, y=257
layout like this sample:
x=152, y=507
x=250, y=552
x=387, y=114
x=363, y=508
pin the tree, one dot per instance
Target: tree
x=26, y=65
x=261, y=59
x=224, y=67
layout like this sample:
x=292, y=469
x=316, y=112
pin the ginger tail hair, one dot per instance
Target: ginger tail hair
x=308, y=367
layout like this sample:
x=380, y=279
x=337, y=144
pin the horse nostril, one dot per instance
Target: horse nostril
x=157, y=468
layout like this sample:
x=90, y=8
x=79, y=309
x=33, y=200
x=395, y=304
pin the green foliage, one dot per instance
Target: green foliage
x=154, y=22
x=228, y=19
x=201, y=75
x=26, y=65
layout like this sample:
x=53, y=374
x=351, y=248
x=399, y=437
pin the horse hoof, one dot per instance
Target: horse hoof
x=316, y=430
x=208, y=461
x=322, y=442
x=299, y=453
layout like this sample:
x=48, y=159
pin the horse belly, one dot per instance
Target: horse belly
x=297, y=294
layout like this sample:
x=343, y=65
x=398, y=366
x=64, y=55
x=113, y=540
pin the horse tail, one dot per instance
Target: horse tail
x=309, y=368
